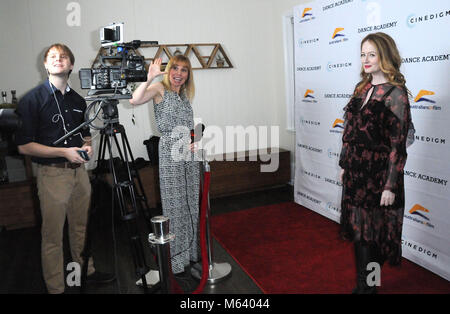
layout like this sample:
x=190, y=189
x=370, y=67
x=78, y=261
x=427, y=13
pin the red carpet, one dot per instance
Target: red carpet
x=286, y=248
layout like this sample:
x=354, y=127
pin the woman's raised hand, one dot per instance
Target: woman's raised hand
x=154, y=70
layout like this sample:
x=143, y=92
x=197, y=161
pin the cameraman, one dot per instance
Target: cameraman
x=49, y=111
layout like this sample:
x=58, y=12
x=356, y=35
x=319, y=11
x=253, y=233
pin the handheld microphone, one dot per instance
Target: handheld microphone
x=197, y=133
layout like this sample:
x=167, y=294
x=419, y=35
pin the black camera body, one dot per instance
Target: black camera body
x=112, y=77
x=121, y=66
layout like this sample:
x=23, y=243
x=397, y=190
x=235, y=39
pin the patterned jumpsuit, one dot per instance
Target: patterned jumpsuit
x=179, y=177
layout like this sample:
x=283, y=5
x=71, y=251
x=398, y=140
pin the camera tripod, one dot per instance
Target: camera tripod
x=128, y=197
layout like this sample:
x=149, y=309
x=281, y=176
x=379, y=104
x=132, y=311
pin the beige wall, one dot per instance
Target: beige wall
x=252, y=93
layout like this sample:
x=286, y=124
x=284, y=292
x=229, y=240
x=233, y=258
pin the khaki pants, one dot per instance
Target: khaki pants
x=63, y=192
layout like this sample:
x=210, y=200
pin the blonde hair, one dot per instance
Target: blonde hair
x=188, y=87
x=390, y=61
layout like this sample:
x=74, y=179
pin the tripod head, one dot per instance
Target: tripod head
x=108, y=105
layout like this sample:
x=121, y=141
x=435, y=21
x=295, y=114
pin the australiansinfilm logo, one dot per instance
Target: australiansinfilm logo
x=338, y=36
x=425, y=100
x=415, y=19
x=337, y=127
x=420, y=215
x=306, y=15
x=309, y=97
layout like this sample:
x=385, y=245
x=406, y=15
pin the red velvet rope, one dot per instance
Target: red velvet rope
x=202, y=226
x=203, y=248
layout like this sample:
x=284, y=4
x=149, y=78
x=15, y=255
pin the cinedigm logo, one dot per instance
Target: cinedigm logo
x=418, y=215
x=422, y=99
x=306, y=15
x=338, y=36
x=414, y=19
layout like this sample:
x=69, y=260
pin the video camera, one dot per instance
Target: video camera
x=108, y=78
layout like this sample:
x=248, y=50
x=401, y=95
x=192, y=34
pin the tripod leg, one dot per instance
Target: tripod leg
x=128, y=213
x=141, y=193
x=86, y=254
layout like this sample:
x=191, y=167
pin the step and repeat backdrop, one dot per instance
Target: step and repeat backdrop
x=327, y=66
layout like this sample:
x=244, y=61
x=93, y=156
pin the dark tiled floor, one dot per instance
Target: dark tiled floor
x=20, y=266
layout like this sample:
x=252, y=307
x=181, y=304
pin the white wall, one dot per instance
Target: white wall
x=252, y=93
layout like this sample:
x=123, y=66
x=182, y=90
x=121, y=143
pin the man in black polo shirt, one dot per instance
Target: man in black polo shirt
x=48, y=112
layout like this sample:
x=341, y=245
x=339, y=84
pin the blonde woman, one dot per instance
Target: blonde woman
x=178, y=176
x=373, y=155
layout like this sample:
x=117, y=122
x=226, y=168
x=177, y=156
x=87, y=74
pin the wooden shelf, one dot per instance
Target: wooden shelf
x=202, y=56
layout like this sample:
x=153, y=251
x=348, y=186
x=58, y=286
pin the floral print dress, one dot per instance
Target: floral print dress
x=373, y=156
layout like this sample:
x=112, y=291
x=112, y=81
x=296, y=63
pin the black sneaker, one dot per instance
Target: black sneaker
x=99, y=277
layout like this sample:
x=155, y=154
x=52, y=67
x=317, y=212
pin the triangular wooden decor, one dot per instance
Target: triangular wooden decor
x=192, y=51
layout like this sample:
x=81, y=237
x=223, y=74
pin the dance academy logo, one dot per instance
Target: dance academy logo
x=424, y=102
x=429, y=58
x=309, y=197
x=338, y=36
x=414, y=19
x=418, y=214
x=377, y=28
x=310, y=148
x=337, y=95
x=338, y=126
x=336, y=4
x=309, y=68
x=306, y=15
x=309, y=97
x=426, y=177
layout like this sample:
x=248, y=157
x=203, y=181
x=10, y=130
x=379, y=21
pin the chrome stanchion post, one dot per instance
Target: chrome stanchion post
x=217, y=271
x=161, y=238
